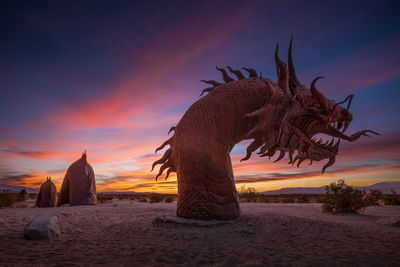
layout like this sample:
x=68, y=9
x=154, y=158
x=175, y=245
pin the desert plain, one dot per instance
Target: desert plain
x=267, y=234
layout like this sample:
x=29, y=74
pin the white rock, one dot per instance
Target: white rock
x=43, y=227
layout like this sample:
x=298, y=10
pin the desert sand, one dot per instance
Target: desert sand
x=266, y=234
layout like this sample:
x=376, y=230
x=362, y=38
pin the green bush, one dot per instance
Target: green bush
x=342, y=198
x=156, y=198
x=392, y=199
x=168, y=200
x=7, y=200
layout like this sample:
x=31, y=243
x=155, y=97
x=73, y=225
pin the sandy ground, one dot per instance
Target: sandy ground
x=266, y=234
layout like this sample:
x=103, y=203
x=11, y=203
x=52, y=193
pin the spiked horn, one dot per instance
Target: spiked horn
x=238, y=73
x=293, y=81
x=344, y=101
x=282, y=72
x=252, y=73
x=212, y=82
x=318, y=95
x=172, y=129
x=207, y=90
x=225, y=75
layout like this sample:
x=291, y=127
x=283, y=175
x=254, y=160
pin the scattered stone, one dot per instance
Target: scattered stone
x=117, y=205
x=43, y=227
x=186, y=222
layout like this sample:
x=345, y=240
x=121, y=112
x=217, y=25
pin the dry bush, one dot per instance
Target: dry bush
x=392, y=199
x=247, y=194
x=302, y=199
x=101, y=198
x=156, y=198
x=7, y=200
x=142, y=200
x=342, y=198
x=372, y=197
x=168, y=200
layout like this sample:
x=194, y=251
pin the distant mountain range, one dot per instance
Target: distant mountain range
x=385, y=187
x=16, y=189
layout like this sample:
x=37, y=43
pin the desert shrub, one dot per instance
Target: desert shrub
x=302, y=199
x=103, y=198
x=247, y=194
x=21, y=205
x=392, y=199
x=155, y=198
x=342, y=198
x=288, y=199
x=168, y=200
x=7, y=200
x=142, y=200
x=372, y=197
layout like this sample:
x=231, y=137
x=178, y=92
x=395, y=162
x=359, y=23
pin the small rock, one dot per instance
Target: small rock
x=117, y=205
x=43, y=227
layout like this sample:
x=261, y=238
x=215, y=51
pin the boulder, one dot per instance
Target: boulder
x=43, y=227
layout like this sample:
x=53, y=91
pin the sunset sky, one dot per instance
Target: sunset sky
x=112, y=77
